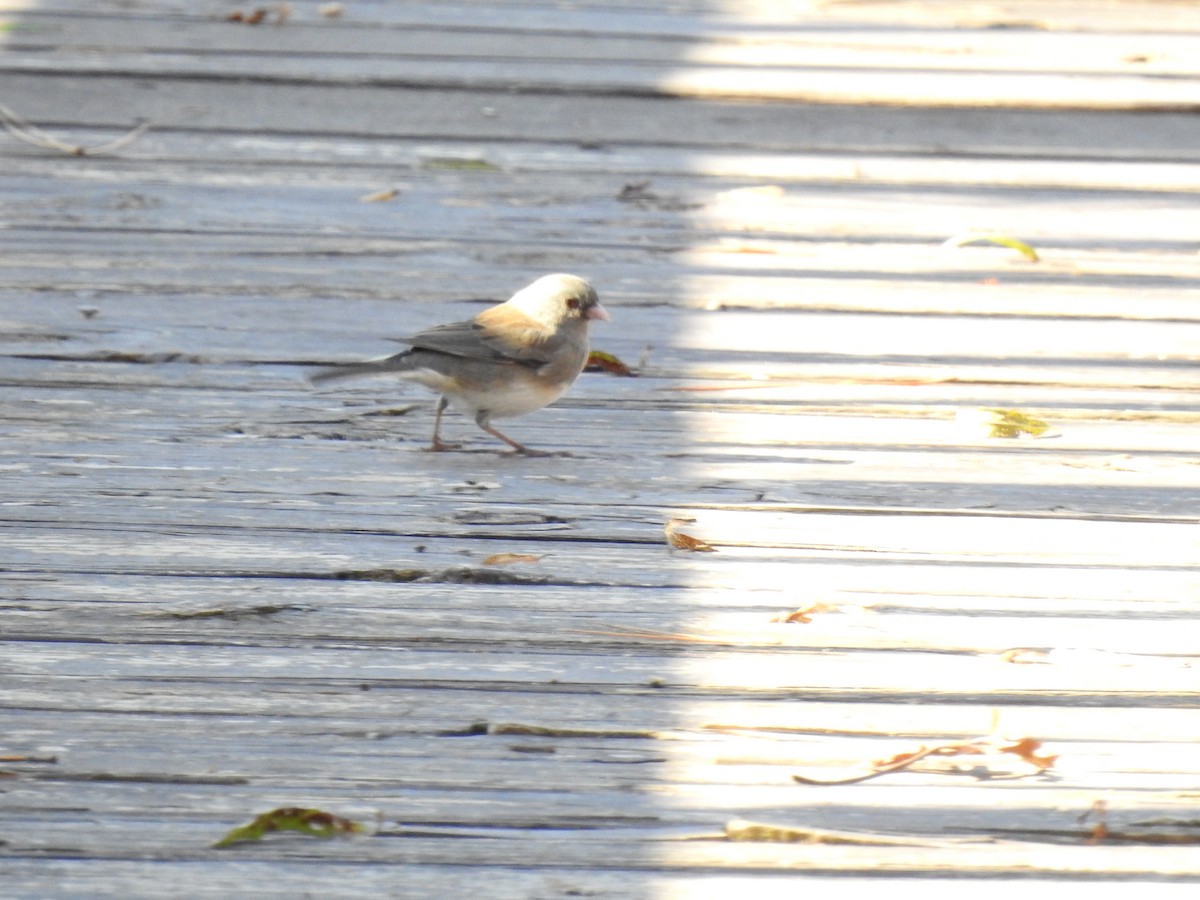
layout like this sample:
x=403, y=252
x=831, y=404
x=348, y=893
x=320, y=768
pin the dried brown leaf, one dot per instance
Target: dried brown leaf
x=681, y=541
x=314, y=822
x=1002, y=240
x=1023, y=656
x=254, y=17
x=803, y=615
x=380, y=196
x=599, y=361
x=1027, y=748
x=258, y=15
x=1012, y=423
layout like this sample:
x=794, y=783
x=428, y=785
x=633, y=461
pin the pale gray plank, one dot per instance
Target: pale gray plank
x=190, y=534
x=265, y=108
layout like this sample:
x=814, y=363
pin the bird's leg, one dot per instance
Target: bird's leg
x=481, y=419
x=437, y=445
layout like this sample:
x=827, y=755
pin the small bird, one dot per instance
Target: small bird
x=511, y=359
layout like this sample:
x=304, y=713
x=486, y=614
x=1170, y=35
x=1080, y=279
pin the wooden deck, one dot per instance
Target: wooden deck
x=223, y=592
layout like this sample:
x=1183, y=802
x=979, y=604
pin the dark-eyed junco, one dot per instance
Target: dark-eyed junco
x=511, y=359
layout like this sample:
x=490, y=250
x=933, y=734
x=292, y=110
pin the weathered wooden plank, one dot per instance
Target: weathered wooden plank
x=1088, y=468
x=232, y=545
x=596, y=121
x=1081, y=273
x=695, y=16
x=1152, y=663
x=820, y=82
x=945, y=24
x=681, y=171
x=832, y=64
x=864, y=614
x=189, y=533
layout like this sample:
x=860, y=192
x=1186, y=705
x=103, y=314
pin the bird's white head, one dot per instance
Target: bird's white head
x=553, y=299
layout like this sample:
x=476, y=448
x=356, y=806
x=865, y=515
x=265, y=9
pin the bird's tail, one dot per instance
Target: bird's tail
x=355, y=370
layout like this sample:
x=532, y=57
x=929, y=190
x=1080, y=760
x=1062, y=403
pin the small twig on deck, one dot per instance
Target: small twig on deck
x=893, y=765
x=1025, y=748
x=1098, y=809
x=1101, y=833
x=648, y=634
x=29, y=758
x=31, y=134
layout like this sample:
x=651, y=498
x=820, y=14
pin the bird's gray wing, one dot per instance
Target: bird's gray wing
x=471, y=340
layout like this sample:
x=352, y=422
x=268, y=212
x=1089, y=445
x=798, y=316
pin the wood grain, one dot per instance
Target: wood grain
x=222, y=591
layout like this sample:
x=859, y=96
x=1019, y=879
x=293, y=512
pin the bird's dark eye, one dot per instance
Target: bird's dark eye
x=572, y=303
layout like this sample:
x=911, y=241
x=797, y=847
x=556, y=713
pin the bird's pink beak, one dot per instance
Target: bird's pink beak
x=597, y=312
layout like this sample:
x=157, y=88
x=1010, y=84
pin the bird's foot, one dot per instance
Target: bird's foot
x=529, y=451
x=519, y=449
x=440, y=446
